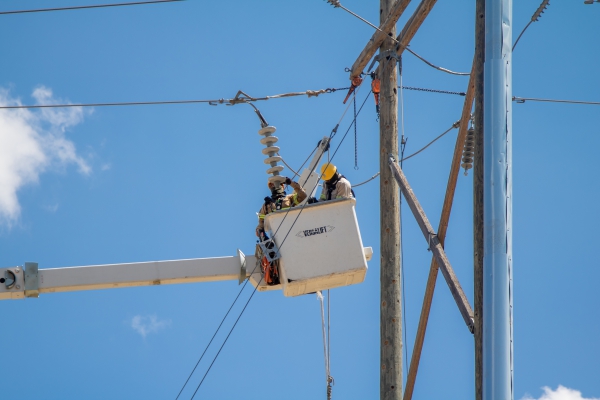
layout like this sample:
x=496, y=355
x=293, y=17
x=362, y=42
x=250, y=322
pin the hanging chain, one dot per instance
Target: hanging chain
x=355, y=138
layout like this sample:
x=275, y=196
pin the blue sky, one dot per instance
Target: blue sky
x=125, y=184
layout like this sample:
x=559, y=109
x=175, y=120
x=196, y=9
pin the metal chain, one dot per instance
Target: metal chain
x=355, y=138
x=433, y=90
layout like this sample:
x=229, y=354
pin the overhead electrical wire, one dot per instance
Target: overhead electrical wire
x=367, y=181
x=212, y=102
x=455, y=125
x=446, y=70
x=281, y=245
x=524, y=99
x=226, y=338
x=337, y=4
x=321, y=175
x=215, y=334
x=137, y=3
x=535, y=17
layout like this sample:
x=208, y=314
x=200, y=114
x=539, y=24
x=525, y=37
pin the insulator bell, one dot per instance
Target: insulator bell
x=271, y=151
x=468, y=151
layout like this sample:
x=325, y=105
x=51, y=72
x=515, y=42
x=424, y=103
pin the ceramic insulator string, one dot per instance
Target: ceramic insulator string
x=271, y=151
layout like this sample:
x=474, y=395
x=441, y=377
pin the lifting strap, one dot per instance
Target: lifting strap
x=328, y=378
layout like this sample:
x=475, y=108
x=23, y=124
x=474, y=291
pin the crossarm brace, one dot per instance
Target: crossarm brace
x=434, y=245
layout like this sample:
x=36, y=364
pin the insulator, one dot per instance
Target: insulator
x=270, y=151
x=468, y=151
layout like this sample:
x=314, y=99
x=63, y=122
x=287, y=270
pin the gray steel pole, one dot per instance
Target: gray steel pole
x=497, y=258
x=478, y=197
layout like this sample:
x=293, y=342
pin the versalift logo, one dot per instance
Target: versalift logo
x=315, y=231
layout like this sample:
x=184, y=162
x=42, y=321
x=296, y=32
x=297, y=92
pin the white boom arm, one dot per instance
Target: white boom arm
x=309, y=179
x=19, y=282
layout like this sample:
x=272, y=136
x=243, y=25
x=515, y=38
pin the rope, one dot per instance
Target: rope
x=402, y=148
x=401, y=277
x=328, y=378
x=524, y=99
x=83, y=7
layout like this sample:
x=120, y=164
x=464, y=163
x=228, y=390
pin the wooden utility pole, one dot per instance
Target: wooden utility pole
x=391, y=257
x=478, y=196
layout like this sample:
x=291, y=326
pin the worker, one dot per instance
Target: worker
x=335, y=185
x=279, y=201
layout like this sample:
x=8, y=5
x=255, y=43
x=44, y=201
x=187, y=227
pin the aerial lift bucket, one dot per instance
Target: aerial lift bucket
x=320, y=246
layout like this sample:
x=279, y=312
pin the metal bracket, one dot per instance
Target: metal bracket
x=270, y=250
x=31, y=280
x=386, y=54
x=242, y=276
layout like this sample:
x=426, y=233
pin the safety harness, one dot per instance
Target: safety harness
x=331, y=185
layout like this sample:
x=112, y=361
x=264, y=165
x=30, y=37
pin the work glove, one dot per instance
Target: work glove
x=288, y=181
x=312, y=200
x=268, y=200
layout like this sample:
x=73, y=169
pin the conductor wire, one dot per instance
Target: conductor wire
x=137, y=3
x=215, y=334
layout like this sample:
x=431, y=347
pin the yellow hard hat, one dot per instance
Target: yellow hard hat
x=328, y=170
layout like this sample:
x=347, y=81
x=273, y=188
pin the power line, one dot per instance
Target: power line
x=534, y=18
x=367, y=181
x=446, y=70
x=334, y=153
x=455, y=125
x=524, y=99
x=240, y=98
x=215, y=334
x=85, y=7
x=337, y=4
x=225, y=341
x=280, y=246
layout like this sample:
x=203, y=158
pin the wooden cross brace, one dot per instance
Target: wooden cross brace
x=434, y=245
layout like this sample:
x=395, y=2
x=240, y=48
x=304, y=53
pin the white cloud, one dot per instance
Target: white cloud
x=32, y=141
x=51, y=207
x=148, y=324
x=561, y=393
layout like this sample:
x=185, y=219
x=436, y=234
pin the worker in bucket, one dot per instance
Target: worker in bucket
x=335, y=185
x=279, y=201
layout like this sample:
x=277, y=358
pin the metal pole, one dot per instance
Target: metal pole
x=497, y=258
x=391, y=303
x=478, y=196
